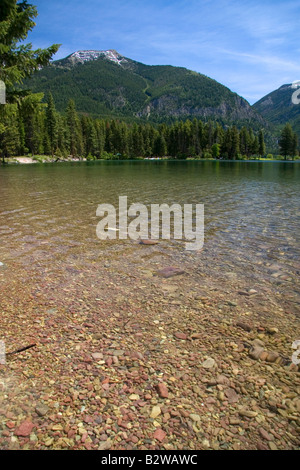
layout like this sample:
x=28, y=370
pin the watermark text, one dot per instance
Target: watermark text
x=296, y=94
x=296, y=354
x=2, y=92
x=185, y=222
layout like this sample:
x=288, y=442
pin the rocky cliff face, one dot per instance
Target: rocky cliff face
x=236, y=110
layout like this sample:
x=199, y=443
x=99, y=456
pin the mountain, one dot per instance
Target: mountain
x=107, y=84
x=279, y=107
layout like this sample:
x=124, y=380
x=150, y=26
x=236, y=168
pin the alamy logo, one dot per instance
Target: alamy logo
x=2, y=353
x=2, y=92
x=296, y=94
x=188, y=222
x=295, y=358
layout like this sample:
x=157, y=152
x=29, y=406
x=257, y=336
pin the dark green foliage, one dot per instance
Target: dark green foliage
x=261, y=144
x=18, y=117
x=51, y=123
x=134, y=91
x=40, y=129
x=19, y=61
x=288, y=141
x=278, y=108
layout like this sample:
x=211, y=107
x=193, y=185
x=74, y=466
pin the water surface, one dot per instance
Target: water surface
x=252, y=216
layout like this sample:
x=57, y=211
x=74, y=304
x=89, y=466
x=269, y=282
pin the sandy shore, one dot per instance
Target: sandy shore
x=25, y=160
x=30, y=160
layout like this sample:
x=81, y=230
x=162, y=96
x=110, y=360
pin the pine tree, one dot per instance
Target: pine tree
x=215, y=150
x=195, y=137
x=74, y=130
x=261, y=144
x=62, y=136
x=100, y=130
x=18, y=60
x=235, y=143
x=160, y=146
x=294, y=146
x=10, y=138
x=52, y=124
x=255, y=146
x=245, y=142
x=287, y=141
x=29, y=108
x=136, y=141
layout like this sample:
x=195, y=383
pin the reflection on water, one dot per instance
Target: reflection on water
x=252, y=212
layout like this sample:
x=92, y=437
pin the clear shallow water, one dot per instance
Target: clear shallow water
x=252, y=214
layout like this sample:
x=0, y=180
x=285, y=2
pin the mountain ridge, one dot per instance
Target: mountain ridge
x=279, y=106
x=108, y=84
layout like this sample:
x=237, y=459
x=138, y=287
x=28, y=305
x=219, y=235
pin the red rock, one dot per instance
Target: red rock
x=222, y=380
x=231, y=395
x=25, y=429
x=180, y=335
x=159, y=434
x=170, y=272
x=211, y=400
x=88, y=419
x=272, y=356
x=243, y=325
x=197, y=335
x=148, y=242
x=10, y=424
x=97, y=356
x=263, y=356
x=162, y=390
x=261, y=446
x=265, y=435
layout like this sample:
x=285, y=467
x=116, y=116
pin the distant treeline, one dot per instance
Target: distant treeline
x=38, y=129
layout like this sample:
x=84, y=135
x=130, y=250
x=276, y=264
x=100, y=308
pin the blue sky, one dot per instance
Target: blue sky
x=252, y=47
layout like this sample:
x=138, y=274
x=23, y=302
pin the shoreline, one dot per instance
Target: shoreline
x=32, y=160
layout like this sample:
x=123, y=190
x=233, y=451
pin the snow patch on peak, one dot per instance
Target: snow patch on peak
x=85, y=56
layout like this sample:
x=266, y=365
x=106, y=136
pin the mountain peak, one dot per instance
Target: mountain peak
x=87, y=55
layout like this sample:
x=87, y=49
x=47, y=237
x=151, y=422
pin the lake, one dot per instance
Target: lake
x=252, y=215
x=135, y=346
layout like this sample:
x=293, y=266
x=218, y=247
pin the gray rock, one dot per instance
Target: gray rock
x=41, y=409
x=255, y=352
x=209, y=363
x=105, y=445
x=170, y=272
x=258, y=343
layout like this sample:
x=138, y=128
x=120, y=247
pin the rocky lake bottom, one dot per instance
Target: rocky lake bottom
x=138, y=346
